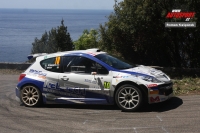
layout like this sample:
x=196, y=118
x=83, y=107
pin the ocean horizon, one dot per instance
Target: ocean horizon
x=20, y=27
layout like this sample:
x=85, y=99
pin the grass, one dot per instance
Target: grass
x=186, y=86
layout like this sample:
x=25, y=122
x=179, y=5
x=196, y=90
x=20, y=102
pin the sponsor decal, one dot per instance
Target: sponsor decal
x=41, y=77
x=154, y=99
x=152, y=85
x=91, y=81
x=57, y=61
x=37, y=73
x=62, y=93
x=153, y=92
x=51, y=85
x=55, y=88
x=118, y=76
x=106, y=85
x=50, y=66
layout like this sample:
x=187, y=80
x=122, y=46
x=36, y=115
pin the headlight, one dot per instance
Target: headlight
x=150, y=79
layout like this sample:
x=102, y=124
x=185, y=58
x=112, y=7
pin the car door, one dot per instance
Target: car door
x=72, y=80
x=79, y=85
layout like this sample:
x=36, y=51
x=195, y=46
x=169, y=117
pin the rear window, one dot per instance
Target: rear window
x=51, y=64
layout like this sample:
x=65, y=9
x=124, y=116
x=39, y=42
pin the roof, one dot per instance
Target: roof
x=93, y=52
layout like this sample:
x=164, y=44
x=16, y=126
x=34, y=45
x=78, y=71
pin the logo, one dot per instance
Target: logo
x=178, y=14
x=54, y=87
x=152, y=85
x=106, y=85
x=153, y=100
x=37, y=73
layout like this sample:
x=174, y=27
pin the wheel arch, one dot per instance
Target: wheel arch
x=143, y=89
x=27, y=84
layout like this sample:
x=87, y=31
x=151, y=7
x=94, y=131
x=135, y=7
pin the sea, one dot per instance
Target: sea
x=20, y=27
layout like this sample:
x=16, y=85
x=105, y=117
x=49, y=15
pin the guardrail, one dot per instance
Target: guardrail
x=171, y=71
x=16, y=66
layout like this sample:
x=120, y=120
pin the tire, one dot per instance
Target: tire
x=31, y=96
x=128, y=98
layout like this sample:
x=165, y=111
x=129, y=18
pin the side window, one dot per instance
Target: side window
x=78, y=65
x=101, y=69
x=67, y=60
x=51, y=64
x=82, y=65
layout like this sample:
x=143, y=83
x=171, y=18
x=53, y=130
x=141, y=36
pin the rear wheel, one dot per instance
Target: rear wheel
x=31, y=96
x=128, y=98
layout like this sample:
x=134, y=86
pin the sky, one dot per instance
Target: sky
x=58, y=4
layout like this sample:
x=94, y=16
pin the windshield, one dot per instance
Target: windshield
x=113, y=62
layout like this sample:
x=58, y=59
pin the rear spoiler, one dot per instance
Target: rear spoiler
x=31, y=56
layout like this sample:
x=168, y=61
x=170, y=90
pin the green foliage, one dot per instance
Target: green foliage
x=89, y=39
x=186, y=85
x=136, y=31
x=55, y=40
x=63, y=39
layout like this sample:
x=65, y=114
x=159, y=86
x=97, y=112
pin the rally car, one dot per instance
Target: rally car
x=91, y=77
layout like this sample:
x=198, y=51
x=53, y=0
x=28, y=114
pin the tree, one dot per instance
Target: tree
x=55, y=40
x=87, y=40
x=63, y=39
x=136, y=31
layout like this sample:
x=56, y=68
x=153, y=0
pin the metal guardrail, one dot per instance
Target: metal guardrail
x=16, y=66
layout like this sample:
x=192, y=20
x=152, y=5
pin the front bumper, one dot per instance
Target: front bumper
x=160, y=93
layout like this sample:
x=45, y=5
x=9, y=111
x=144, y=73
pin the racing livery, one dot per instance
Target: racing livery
x=91, y=77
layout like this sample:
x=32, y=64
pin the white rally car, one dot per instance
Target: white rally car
x=91, y=77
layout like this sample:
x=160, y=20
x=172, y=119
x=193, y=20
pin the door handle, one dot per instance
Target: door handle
x=64, y=78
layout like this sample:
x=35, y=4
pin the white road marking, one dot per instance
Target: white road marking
x=159, y=118
x=125, y=128
x=85, y=121
x=135, y=130
x=164, y=129
x=89, y=121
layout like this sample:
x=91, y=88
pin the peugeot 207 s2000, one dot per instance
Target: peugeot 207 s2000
x=91, y=77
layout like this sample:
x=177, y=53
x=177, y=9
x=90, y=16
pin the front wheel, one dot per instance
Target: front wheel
x=128, y=98
x=31, y=96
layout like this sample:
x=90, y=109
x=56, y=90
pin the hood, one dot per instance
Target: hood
x=150, y=71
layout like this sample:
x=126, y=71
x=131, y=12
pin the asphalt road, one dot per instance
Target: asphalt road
x=179, y=115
